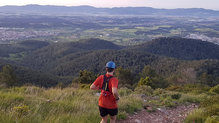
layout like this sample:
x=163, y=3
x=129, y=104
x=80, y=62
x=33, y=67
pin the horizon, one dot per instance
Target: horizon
x=109, y=7
x=159, y=4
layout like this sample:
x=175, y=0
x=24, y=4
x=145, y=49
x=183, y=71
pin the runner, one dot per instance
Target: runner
x=109, y=96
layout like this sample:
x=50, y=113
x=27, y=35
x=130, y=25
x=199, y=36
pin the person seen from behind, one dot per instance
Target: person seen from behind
x=109, y=96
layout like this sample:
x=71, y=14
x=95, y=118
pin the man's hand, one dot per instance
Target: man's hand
x=115, y=93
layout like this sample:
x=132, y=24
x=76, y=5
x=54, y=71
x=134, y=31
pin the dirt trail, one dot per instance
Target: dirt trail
x=161, y=115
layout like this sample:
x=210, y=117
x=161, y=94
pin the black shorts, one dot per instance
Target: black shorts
x=105, y=111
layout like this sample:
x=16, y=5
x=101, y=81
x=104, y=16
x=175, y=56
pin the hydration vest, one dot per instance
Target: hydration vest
x=105, y=87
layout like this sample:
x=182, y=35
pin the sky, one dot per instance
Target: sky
x=169, y=4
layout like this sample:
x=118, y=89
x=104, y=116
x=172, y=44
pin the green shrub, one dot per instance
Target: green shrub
x=130, y=104
x=168, y=102
x=21, y=110
x=174, y=88
x=212, y=119
x=145, y=81
x=192, y=98
x=210, y=100
x=189, y=88
x=159, y=91
x=122, y=115
x=197, y=116
x=147, y=90
x=124, y=92
x=85, y=86
x=215, y=89
x=212, y=110
x=176, y=96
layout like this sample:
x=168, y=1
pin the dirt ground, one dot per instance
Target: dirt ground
x=161, y=115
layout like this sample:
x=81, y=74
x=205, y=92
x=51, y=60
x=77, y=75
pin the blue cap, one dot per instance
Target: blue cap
x=111, y=64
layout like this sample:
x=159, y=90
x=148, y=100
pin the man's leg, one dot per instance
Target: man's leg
x=104, y=119
x=113, y=119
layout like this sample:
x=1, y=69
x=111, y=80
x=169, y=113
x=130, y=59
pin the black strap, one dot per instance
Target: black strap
x=105, y=85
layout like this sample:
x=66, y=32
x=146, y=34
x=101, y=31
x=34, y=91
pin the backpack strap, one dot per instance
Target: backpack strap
x=105, y=85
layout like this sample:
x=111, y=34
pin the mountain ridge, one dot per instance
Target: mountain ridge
x=65, y=60
x=180, y=48
x=66, y=10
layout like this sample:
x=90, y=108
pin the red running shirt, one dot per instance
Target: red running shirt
x=108, y=101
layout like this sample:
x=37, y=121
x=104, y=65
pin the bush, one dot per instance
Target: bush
x=176, y=96
x=168, y=102
x=147, y=90
x=192, y=98
x=212, y=110
x=212, y=119
x=189, y=88
x=215, y=89
x=85, y=86
x=86, y=77
x=159, y=91
x=21, y=110
x=174, y=88
x=197, y=116
x=122, y=115
x=124, y=92
x=210, y=100
x=130, y=104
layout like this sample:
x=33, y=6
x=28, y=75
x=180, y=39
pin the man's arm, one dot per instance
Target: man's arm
x=115, y=92
x=94, y=87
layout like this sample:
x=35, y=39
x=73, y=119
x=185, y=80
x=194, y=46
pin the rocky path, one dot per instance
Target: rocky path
x=161, y=115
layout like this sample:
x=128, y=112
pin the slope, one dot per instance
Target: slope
x=181, y=48
x=51, y=56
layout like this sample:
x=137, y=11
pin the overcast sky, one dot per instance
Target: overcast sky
x=208, y=4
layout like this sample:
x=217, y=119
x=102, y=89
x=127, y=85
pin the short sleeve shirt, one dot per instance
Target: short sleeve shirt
x=108, y=101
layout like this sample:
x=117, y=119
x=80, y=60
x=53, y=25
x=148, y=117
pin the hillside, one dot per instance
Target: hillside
x=67, y=59
x=40, y=62
x=51, y=56
x=180, y=48
x=28, y=76
x=86, y=10
x=29, y=45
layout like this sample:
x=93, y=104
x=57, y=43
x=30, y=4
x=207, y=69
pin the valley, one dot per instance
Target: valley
x=167, y=62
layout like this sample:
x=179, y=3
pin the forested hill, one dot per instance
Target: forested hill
x=58, y=53
x=66, y=59
x=181, y=48
x=24, y=46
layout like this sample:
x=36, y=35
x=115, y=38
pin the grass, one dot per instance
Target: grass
x=55, y=105
x=80, y=105
x=208, y=111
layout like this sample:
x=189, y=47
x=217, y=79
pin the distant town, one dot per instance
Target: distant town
x=20, y=33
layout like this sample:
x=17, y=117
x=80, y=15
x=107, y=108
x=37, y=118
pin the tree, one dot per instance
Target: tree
x=150, y=78
x=7, y=76
x=206, y=79
x=124, y=76
x=148, y=71
x=145, y=81
x=86, y=77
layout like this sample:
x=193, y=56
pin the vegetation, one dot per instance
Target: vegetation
x=46, y=64
x=34, y=104
x=152, y=79
x=208, y=111
x=8, y=77
x=59, y=67
x=188, y=49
